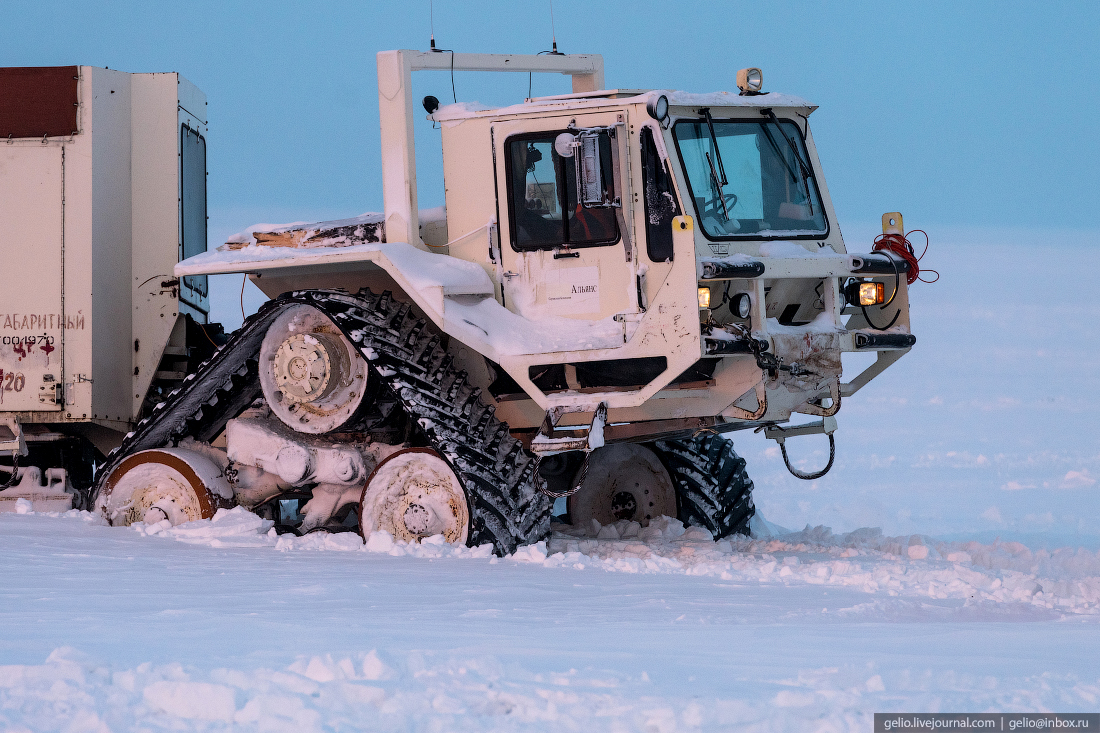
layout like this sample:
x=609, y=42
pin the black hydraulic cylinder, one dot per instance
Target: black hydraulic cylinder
x=716, y=347
x=885, y=340
x=718, y=270
x=878, y=263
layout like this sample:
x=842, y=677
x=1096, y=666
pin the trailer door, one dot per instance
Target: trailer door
x=31, y=240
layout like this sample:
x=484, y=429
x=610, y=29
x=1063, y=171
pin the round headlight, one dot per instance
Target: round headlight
x=741, y=305
x=565, y=144
x=658, y=108
x=750, y=80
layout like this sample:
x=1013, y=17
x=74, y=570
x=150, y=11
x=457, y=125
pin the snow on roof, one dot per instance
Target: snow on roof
x=731, y=99
x=611, y=97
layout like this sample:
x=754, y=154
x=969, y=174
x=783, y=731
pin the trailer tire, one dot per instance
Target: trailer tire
x=712, y=486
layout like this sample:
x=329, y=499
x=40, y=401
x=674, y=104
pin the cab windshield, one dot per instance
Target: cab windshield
x=758, y=183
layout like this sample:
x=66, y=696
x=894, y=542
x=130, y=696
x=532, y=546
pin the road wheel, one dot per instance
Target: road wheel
x=624, y=481
x=164, y=483
x=414, y=494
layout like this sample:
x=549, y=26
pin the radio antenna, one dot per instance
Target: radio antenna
x=553, y=31
x=431, y=20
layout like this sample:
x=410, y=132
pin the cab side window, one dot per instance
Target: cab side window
x=660, y=201
x=542, y=197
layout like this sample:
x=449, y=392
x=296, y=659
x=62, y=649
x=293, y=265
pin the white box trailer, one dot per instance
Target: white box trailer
x=102, y=192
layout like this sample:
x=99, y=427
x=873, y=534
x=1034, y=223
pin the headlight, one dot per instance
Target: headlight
x=750, y=80
x=658, y=108
x=704, y=297
x=866, y=293
x=741, y=305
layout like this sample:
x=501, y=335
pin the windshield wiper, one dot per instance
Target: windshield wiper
x=718, y=186
x=714, y=144
x=804, y=168
x=717, y=176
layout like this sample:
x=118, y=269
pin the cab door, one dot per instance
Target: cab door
x=561, y=257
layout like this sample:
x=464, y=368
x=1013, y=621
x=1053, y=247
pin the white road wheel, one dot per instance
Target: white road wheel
x=624, y=481
x=165, y=483
x=314, y=381
x=414, y=494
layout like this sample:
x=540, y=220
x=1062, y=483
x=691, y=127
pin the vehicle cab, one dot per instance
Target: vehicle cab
x=695, y=230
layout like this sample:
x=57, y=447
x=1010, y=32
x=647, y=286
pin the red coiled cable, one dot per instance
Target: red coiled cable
x=900, y=245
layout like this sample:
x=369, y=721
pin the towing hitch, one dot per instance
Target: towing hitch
x=546, y=443
x=780, y=433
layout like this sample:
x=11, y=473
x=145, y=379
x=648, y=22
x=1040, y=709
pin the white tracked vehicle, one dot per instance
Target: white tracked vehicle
x=618, y=278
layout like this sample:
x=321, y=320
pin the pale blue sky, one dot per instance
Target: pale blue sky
x=956, y=113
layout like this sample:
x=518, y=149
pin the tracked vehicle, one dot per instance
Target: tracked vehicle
x=618, y=279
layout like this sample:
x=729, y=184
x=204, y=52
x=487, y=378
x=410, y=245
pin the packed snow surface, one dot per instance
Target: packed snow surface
x=222, y=624
x=985, y=430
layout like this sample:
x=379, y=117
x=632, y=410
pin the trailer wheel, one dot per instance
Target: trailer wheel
x=714, y=490
x=413, y=494
x=164, y=483
x=314, y=381
x=624, y=481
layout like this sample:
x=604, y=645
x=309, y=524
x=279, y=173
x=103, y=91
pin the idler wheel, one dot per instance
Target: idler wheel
x=165, y=483
x=314, y=381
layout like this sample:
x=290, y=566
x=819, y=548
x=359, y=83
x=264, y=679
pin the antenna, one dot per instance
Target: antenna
x=431, y=17
x=552, y=52
x=553, y=31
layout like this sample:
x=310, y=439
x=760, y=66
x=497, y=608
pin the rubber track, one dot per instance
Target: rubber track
x=713, y=489
x=410, y=359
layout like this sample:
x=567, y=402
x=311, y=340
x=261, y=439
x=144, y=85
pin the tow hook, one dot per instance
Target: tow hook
x=780, y=433
x=546, y=443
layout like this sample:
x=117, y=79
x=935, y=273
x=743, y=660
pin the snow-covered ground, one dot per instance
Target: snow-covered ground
x=221, y=625
x=985, y=429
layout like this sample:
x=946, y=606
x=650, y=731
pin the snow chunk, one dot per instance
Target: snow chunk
x=226, y=523
x=380, y=541
x=191, y=700
x=535, y=553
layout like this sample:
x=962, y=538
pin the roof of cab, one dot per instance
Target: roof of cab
x=609, y=97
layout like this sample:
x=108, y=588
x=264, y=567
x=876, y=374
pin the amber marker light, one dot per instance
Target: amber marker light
x=866, y=293
x=704, y=297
